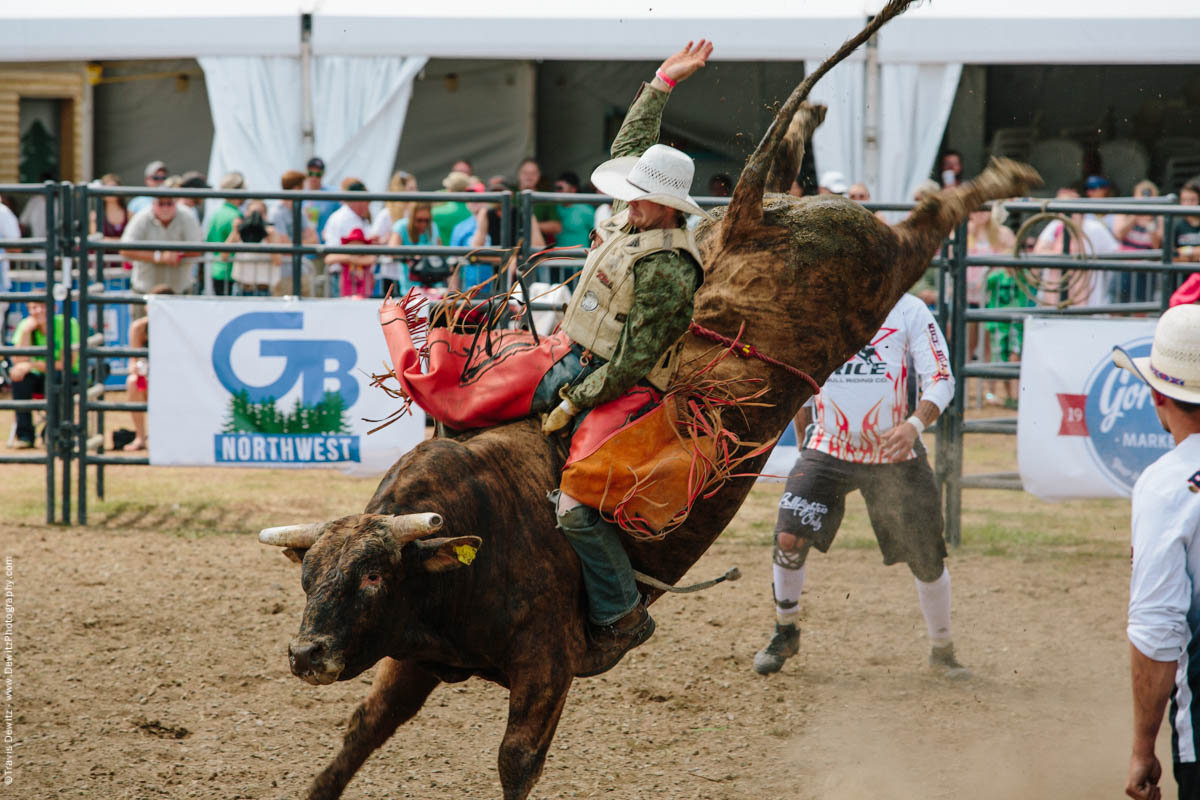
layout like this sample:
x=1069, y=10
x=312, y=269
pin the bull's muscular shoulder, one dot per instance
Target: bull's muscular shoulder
x=493, y=462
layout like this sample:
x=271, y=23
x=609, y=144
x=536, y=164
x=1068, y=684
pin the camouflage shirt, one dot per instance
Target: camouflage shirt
x=664, y=283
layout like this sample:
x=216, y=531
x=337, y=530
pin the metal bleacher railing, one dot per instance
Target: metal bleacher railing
x=81, y=276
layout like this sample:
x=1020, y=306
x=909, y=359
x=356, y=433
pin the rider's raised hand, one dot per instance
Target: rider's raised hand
x=692, y=57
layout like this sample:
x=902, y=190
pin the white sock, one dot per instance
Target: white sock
x=788, y=585
x=935, y=606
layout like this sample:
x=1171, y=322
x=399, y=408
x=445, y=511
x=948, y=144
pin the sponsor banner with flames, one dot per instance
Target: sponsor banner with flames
x=1085, y=428
x=270, y=383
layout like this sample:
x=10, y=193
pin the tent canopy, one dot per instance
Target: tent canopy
x=765, y=30
x=1040, y=32
x=941, y=31
x=75, y=30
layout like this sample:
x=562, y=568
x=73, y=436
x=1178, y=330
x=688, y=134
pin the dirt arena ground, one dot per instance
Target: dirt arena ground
x=149, y=661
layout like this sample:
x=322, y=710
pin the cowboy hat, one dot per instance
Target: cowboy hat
x=661, y=175
x=1173, y=366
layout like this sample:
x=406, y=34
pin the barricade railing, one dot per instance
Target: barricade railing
x=953, y=425
x=90, y=290
x=52, y=402
x=69, y=403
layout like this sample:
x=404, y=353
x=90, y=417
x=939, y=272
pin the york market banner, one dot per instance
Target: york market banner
x=284, y=383
x=1085, y=428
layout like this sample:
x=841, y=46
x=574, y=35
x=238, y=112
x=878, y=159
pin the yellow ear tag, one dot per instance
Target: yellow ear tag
x=465, y=553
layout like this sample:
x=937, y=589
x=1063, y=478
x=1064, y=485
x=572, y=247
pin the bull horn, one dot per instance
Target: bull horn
x=413, y=526
x=292, y=535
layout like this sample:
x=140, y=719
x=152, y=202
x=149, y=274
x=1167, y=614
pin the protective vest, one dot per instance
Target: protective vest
x=597, y=312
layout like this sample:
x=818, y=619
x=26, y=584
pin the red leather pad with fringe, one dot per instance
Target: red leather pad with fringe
x=642, y=473
x=464, y=385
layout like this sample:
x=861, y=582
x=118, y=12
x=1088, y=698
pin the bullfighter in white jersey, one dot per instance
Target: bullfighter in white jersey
x=862, y=437
x=1164, y=595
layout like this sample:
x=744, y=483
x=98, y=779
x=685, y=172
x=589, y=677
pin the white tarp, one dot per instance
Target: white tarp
x=783, y=457
x=359, y=106
x=1085, y=428
x=266, y=383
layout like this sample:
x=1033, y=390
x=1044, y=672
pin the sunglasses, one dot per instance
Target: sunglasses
x=315, y=173
x=159, y=176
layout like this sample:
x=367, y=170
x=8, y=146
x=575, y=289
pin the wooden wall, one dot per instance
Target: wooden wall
x=55, y=82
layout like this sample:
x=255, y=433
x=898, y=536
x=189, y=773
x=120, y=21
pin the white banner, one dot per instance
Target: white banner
x=1085, y=428
x=783, y=456
x=271, y=383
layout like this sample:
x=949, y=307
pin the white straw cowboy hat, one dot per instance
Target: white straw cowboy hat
x=661, y=175
x=1173, y=366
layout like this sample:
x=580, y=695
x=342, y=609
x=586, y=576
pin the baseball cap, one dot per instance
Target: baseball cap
x=834, y=181
x=315, y=163
x=194, y=180
x=155, y=166
x=1096, y=182
x=1173, y=366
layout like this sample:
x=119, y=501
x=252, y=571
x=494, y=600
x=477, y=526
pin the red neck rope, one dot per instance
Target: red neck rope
x=750, y=351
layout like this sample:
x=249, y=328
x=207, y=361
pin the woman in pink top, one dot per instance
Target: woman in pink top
x=985, y=236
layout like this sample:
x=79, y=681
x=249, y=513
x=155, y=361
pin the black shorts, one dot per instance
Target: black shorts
x=903, y=503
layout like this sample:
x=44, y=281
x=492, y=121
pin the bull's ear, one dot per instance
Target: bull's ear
x=295, y=554
x=439, y=555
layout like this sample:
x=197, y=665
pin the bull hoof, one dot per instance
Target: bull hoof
x=1007, y=178
x=807, y=118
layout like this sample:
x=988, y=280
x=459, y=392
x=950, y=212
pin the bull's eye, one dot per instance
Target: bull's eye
x=372, y=580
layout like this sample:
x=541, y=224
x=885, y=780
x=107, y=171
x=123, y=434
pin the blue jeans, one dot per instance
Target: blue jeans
x=607, y=574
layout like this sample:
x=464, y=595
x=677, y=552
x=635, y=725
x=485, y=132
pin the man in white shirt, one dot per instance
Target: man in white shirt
x=351, y=215
x=1164, y=597
x=1094, y=290
x=862, y=437
x=9, y=229
x=162, y=222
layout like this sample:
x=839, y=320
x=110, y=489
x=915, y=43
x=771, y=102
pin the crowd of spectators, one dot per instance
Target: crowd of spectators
x=344, y=226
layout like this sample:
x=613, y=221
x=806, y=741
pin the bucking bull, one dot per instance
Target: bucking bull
x=456, y=569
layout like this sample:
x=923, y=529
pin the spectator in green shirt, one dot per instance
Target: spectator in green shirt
x=447, y=215
x=28, y=373
x=577, y=219
x=219, y=228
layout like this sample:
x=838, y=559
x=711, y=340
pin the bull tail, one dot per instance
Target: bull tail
x=745, y=207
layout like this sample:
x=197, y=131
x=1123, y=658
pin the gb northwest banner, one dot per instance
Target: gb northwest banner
x=247, y=382
x=1085, y=428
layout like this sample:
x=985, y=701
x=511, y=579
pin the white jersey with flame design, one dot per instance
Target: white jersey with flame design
x=867, y=396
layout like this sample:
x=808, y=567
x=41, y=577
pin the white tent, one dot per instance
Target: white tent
x=889, y=102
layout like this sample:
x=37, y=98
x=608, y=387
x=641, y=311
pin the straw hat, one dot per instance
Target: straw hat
x=1173, y=366
x=661, y=175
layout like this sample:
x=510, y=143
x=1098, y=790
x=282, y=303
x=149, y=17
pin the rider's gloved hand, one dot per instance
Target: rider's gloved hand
x=560, y=417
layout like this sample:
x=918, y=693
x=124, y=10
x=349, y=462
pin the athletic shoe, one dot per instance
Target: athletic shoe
x=943, y=660
x=783, y=645
x=23, y=444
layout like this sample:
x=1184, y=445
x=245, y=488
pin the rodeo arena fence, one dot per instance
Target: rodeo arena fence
x=80, y=277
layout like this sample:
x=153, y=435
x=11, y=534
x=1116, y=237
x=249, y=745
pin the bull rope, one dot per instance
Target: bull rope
x=742, y=350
